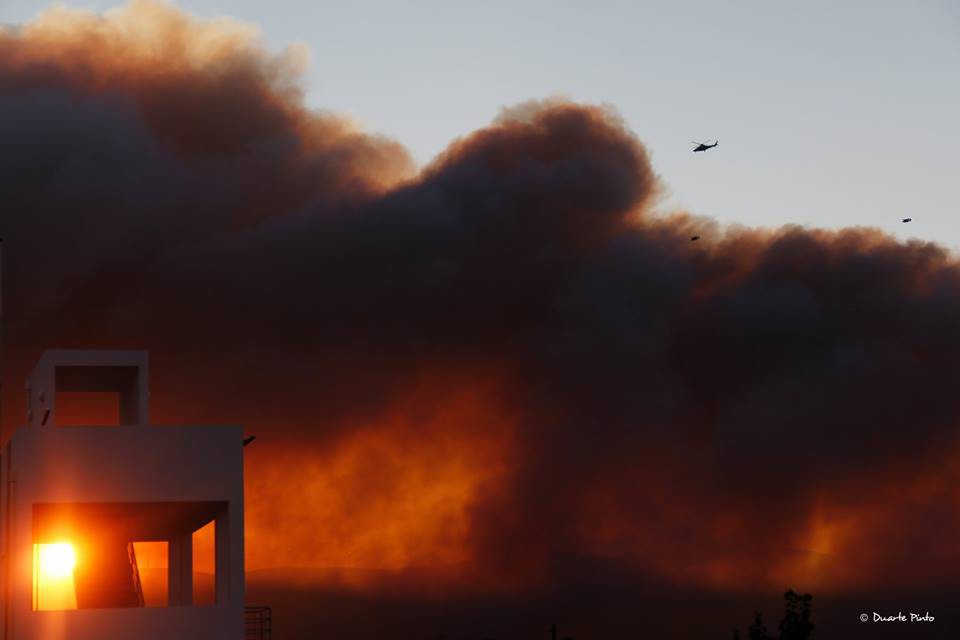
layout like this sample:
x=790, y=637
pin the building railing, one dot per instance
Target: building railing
x=258, y=623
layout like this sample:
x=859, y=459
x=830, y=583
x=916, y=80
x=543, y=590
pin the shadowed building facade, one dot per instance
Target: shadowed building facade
x=79, y=503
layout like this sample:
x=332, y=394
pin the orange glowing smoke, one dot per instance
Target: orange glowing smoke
x=392, y=494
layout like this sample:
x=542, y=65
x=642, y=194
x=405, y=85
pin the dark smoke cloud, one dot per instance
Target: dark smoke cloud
x=499, y=360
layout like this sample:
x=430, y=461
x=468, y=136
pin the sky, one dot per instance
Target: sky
x=828, y=114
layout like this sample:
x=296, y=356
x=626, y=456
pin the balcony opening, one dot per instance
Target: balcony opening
x=122, y=555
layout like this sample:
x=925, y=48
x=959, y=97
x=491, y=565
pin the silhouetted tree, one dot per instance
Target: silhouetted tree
x=758, y=630
x=796, y=623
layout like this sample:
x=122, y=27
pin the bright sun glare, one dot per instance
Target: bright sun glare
x=53, y=587
x=57, y=560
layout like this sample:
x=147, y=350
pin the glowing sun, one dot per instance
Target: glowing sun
x=57, y=560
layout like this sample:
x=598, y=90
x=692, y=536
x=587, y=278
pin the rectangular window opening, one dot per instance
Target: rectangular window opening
x=83, y=408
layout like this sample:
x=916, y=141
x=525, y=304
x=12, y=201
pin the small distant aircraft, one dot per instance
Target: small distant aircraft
x=703, y=146
x=907, y=220
x=694, y=238
x=247, y=441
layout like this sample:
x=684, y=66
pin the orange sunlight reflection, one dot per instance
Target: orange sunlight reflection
x=53, y=586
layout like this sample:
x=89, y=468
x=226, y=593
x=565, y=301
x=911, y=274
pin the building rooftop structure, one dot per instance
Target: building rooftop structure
x=118, y=531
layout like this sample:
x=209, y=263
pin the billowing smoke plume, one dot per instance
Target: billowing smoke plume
x=502, y=359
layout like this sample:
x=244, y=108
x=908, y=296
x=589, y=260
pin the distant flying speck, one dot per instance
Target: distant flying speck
x=703, y=146
x=907, y=220
x=247, y=441
x=694, y=238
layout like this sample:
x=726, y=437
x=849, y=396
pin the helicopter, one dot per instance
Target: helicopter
x=702, y=146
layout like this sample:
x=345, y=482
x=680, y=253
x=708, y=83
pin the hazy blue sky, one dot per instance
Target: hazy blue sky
x=828, y=113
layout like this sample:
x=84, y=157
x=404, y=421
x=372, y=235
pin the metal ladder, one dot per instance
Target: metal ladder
x=137, y=585
x=258, y=623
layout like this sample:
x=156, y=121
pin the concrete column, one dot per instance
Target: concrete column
x=180, y=570
x=222, y=556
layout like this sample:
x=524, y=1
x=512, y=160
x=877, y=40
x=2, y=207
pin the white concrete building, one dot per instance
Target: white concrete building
x=78, y=503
